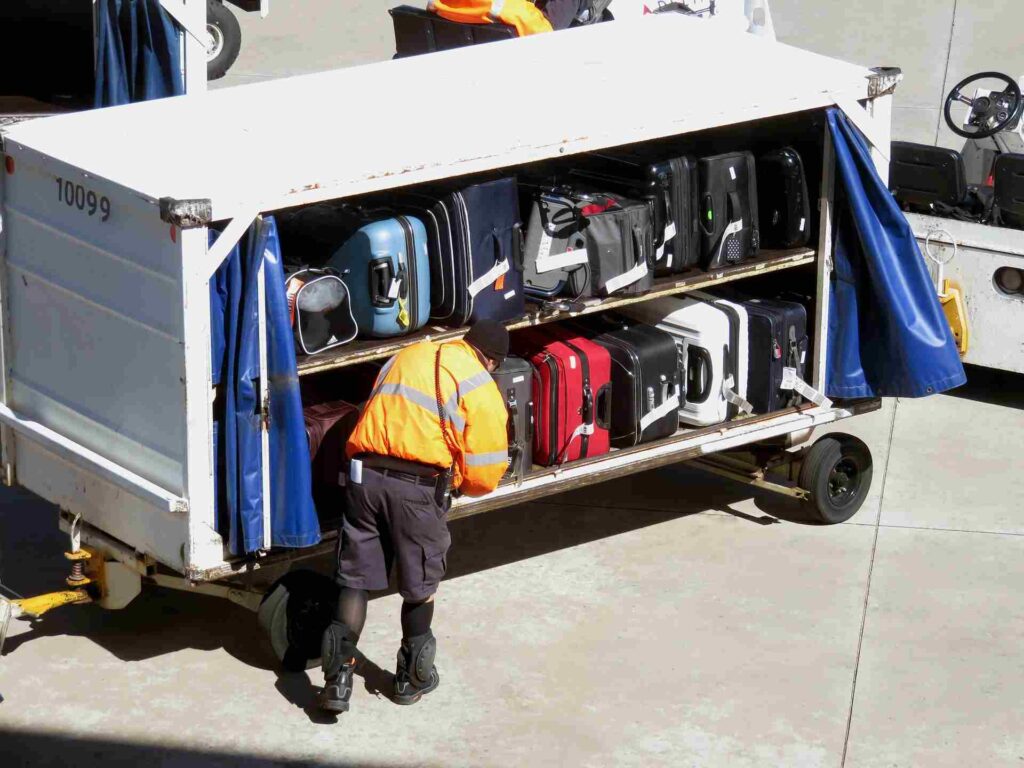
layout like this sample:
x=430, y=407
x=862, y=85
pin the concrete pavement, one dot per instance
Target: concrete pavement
x=670, y=619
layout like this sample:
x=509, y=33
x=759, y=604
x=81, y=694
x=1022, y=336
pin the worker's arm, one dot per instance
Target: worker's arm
x=485, y=440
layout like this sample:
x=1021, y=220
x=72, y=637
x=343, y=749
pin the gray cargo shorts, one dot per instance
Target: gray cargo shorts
x=389, y=520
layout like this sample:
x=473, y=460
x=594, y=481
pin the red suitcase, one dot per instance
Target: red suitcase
x=571, y=394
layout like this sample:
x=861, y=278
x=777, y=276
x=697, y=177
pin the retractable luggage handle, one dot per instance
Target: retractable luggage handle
x=381, y=275
x=518, y=452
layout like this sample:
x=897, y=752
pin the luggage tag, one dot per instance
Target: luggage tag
x=733, y=398
x=791, y=381
x=403, y=313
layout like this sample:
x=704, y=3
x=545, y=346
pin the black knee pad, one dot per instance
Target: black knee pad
x=420, y=652
x=339, y=645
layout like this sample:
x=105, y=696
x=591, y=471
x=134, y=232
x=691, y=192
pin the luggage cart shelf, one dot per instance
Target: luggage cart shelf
x=374, y=349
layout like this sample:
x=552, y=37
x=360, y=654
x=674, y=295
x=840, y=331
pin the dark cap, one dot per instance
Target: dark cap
x=490, y=339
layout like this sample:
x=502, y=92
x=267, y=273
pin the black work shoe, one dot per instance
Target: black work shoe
x=409, y=688
x=337, y=690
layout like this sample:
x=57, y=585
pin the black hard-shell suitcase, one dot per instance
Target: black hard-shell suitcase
x=777, y=339
x=646, y=386
x=474, y=240
x=783, y=206
x=514, y=378
x=728, y=209
x=670, y=187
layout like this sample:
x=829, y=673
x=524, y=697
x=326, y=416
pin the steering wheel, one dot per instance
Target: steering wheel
x=992, y=113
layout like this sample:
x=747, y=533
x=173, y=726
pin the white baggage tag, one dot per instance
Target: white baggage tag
x=659, y=412
x=733, y=398
x=670, y=230
x=545, y=246
x=394, y=288
x=732, y=173
x=627, y=278
x=355, y=471
x=791, y=381
x=552, y=261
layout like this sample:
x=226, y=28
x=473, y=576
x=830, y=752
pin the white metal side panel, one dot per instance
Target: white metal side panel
x=995, y=320
x=94, y=317
x=325, y=135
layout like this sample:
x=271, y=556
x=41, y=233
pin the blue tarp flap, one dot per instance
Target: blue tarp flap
x=234, y=325
x=888, y=336
x=138, y=53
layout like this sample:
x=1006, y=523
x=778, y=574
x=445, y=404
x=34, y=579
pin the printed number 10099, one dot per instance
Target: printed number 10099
x=76, y=196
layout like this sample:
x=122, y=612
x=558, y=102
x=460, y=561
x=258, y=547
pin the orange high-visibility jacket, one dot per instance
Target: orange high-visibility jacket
x=400, y=419
x=521, y=14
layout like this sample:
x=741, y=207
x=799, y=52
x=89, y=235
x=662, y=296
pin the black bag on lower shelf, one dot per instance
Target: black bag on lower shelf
x=646, y=386
x=777, y=339
x=514, y=378
x=728, y=215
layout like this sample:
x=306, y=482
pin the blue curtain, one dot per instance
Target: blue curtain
x=234, y=305
x=888, y=336
x=138, y=53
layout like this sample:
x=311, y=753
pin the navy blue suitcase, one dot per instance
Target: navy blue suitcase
x=475, y=244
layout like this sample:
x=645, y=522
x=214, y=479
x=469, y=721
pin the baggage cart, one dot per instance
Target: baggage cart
x=106, y=257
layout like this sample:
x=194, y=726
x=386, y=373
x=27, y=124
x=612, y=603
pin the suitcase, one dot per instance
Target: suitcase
x=736, y=373
x=783, y=206
x=670, y=187
x=418, y=31
x=646, y=389
x=572, y=394
x=702, y=333
x=514, y=378
x=328, y=427
x=385, y=265
x=777, y=340
x=728, y=215
x=617, y=234
x=475, y=247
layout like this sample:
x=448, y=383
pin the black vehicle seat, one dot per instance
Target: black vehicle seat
x=418, y=31
x=921, y=175
x=1008, y=173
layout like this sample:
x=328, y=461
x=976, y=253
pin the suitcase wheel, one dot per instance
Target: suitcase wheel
x=294, y=614
x=836, y=472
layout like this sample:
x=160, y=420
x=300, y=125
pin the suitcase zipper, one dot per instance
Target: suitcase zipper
x=587, y=409
x=412, y=289
x=467, y=250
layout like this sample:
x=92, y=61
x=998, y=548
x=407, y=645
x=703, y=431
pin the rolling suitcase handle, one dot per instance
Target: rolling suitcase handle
x=382, y=278
x=603, y=415
x=700, y=359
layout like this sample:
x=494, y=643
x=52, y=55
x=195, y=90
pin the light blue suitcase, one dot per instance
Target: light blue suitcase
x=385, y=266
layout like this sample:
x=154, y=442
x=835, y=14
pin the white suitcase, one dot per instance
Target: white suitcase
x=704, y=333
x=738, y=369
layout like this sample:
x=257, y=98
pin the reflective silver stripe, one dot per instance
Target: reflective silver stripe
x=424, y=401
x=486, y=459
x=431, y=5
x=475, y=381
x=381, y=376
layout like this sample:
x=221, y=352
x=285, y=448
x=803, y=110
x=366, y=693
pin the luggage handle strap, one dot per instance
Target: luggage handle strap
x=659, y=412
x=501, y=266
x=790, y=380
x=733, y=398
x=582, y=429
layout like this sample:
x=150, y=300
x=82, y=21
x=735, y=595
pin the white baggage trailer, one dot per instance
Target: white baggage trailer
x=106, y=345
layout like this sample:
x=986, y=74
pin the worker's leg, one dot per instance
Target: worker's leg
x=363, y=564
x=420, y=537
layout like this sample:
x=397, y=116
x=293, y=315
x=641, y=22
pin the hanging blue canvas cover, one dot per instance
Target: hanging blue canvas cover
x=138, y=53
x=234, y=326
x=888, y=336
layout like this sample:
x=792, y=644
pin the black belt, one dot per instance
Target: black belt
x=402, y=469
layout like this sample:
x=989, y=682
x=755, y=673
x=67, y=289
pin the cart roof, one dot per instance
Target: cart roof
x=295, y=140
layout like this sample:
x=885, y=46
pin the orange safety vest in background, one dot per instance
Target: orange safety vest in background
x=521, y=14
x=400, y=418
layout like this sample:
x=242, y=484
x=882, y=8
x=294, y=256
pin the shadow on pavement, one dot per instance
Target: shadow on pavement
x=33, y=749
x=163, y=621
x=987, y=385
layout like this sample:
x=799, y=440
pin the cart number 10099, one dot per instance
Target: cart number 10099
x=76, y=196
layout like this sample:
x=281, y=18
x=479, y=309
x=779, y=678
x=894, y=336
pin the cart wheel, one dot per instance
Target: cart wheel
x=294, y=614
x=837, y=473
x=224, y=39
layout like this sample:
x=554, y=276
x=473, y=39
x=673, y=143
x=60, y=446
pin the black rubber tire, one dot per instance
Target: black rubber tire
x=221, y=21
x=294, y=614
x=836, y=471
